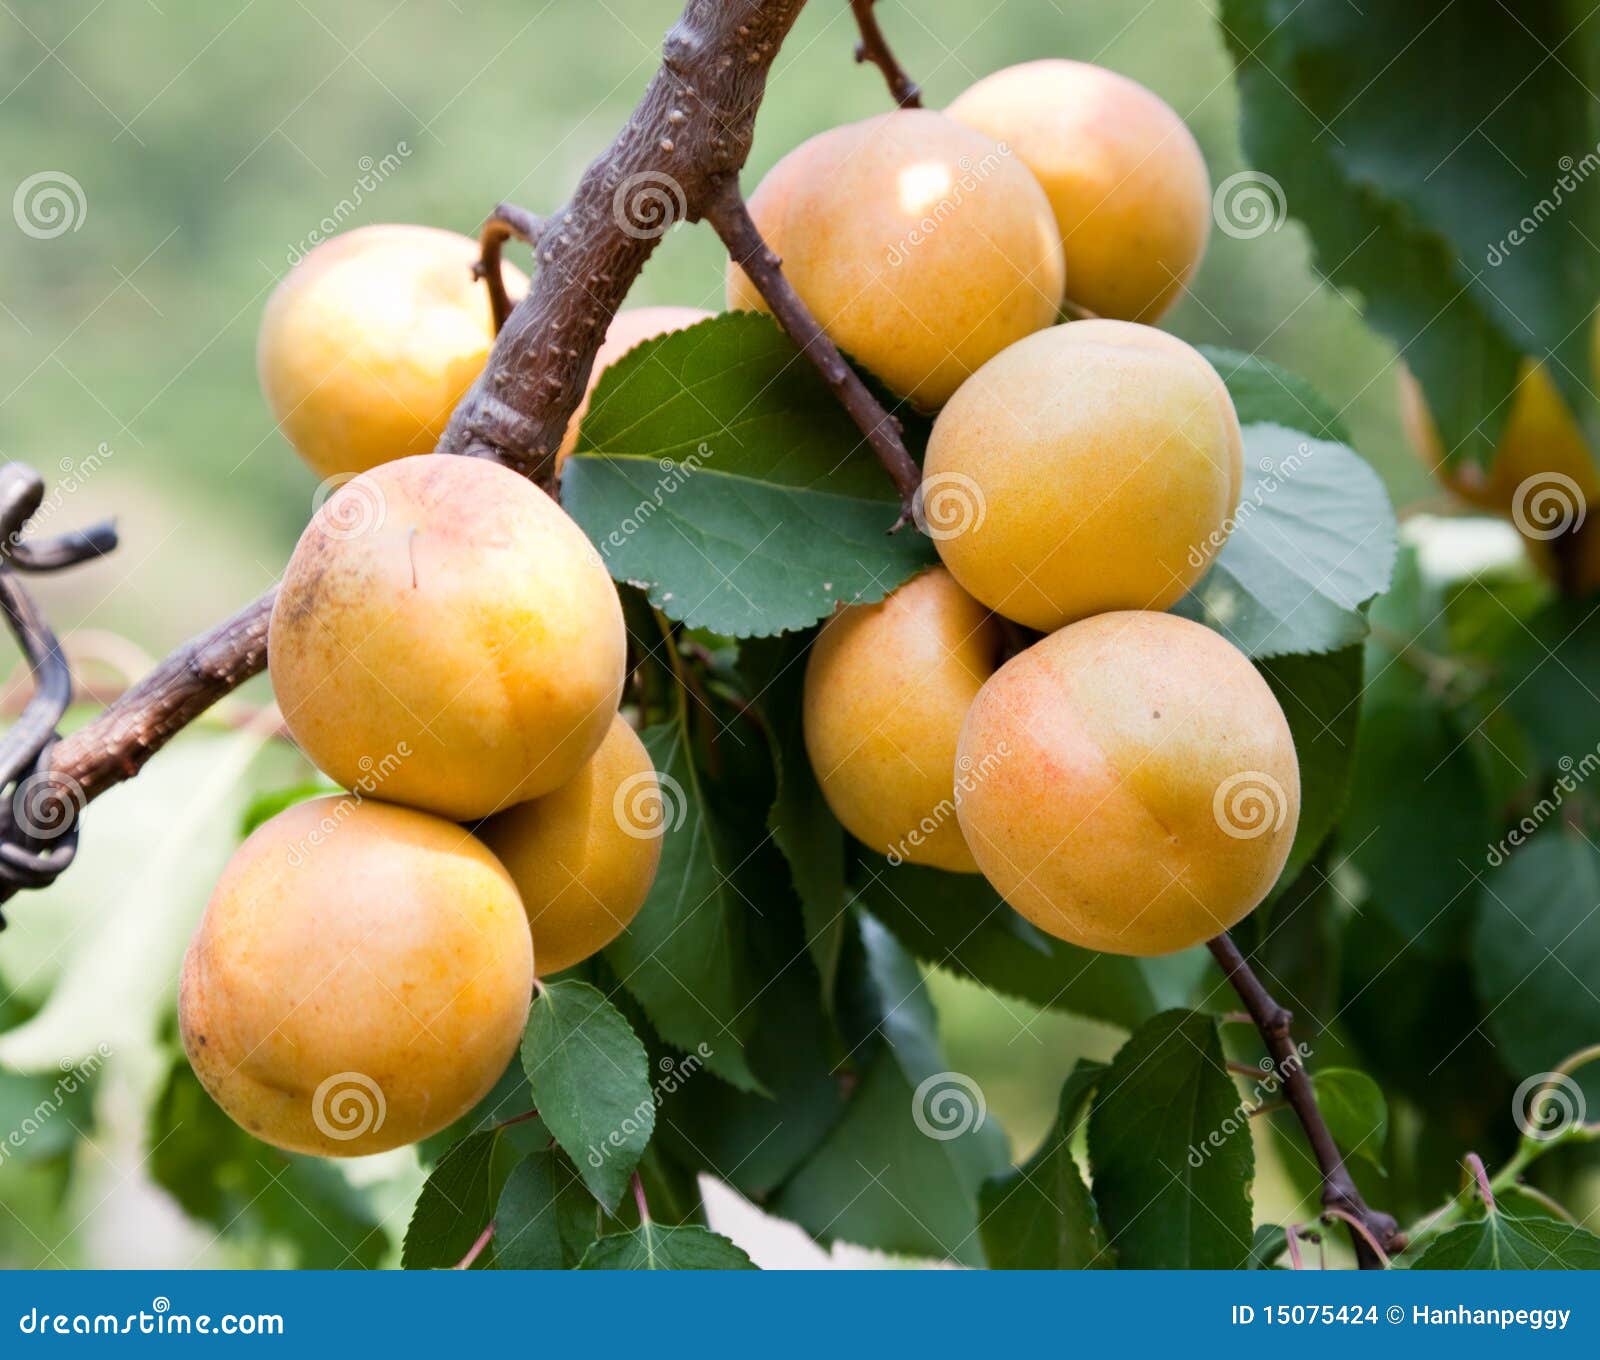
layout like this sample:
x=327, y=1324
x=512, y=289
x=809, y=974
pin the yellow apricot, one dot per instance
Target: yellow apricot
x=446, y=637
x=628, y=330
x=359, y=980
x=583, y=857
x=1539, y=440
x=369, y=342
x=887, y=687
x=1124, y=176
x=919, y=245
x=1143, y=789
x=1092, y=466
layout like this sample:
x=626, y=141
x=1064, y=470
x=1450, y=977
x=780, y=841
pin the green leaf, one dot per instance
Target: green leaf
x=265, y=806
x=1355, y=1111
x=1413, y=141
x=716, y=471
x=1268, y=1244
x=1170, y=1148
x=682, y=956
x=1501, y=1242
x=457, y=1203
x=1265, y=394
x=652, y=1247
x=1550, y=670
x=545, y=1219
x=1313, y=540
x=252, y=1193
x=1040, y=1216
x=591, y=1084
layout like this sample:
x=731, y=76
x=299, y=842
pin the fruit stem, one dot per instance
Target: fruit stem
x=874, y=47
x=505, y=223
x=639, y=1199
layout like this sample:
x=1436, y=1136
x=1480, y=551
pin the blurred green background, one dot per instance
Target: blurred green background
x=209, y=139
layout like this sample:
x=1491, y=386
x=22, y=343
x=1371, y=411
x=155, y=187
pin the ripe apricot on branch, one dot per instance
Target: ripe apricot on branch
x=1090, y=467
x=446, y=637
x=1124, y=176
x=887, y=686
x=360, y=978
x=583, y=857
x=920, y=246
x=370, y=341
x=1151, y=791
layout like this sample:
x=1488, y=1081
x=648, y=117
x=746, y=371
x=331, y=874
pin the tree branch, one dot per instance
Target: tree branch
x=1374, y=1234
x=874, y=47
x=505, y=223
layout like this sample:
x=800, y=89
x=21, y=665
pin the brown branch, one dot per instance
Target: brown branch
x=874, y=47
x=505, y=223
x=1374, y=1234
x=731, y=220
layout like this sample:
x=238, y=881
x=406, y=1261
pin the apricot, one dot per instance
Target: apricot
x=446, y=637
x=629, y=329
x=920, y=246
x=583, y=857
x=369, y=342
x=887, y=687
x=1124, y=176
x=359, y=980
x=1540, y=437
x=1151, y=790
x=1092, y=466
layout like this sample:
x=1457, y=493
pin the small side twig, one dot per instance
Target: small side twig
x=507, y=222
x=731, y=220
x=874, y=47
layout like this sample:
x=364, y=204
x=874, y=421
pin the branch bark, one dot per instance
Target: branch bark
x=1374, y=1234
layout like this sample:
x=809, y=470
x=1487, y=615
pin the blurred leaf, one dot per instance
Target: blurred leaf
x=716, y=470
x=1500, y=1242
x=545, y=1219
x=265, y=806
x=591, y=1084
x=1355, y=1111
x=1170, y=1150
x=1265, y=394
x=1550, y=682
x=1041, y=1216
x=653, y=1247
x=457, y=1203
x=1268, y=1244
